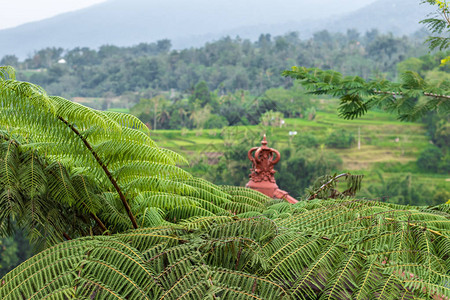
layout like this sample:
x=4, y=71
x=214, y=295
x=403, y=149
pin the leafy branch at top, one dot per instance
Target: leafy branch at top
x=358, y=95
x=438, y=23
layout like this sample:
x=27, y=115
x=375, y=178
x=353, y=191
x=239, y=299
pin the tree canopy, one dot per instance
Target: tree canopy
x=226, y=65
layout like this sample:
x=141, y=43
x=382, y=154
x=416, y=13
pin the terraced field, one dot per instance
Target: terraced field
x=385, y=142
x=382, y=138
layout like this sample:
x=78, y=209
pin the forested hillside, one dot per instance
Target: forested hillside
x=226, y=65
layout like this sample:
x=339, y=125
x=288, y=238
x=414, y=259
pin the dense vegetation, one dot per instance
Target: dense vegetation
x=136, y=225
x=405, y=150
x=416, y=96
x=226, y=65
x=72, y=171
x=388, y=156
x=321, y=249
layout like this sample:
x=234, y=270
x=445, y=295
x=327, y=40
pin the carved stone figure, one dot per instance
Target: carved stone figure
x=262, y=173
x=263, y=160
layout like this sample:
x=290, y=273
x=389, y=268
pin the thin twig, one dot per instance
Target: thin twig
x=326, y=184
x=401, y=94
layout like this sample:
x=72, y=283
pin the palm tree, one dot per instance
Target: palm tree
x=163, y=115
x=200, y=115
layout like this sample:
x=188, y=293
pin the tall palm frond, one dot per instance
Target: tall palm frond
x=44, y=198
x=80, y=137
x=114, y=151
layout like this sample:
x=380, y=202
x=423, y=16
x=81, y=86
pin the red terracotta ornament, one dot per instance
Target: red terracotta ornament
x=262, y=173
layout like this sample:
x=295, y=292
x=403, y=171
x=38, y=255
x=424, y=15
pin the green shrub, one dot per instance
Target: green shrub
x=340, y=138
x=306, y=140
x=429, y=159
x=299, y=170
x=216, y=121
x=441, y=196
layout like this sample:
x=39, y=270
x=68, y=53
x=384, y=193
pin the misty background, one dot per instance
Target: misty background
x=193, y=23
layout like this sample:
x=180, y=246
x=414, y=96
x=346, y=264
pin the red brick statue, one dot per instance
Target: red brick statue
x=262, y=173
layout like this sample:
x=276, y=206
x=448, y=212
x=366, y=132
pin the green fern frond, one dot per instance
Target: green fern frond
x=122, y=151
x=265, y=288
x=236, y=207
x=185, y=212
x=343, y=281
x=216, y=209
x=44, y=196
x=106, y=146
x=152, y=183
x=204, y=222
x=113, y=212
x=151, y=217
x=137, y=169
x=7, y=72
x=26, y=97
x=209, y=188
x=164, y=201
x=378, y=253
x=127, y=120
x=176, y=158
x=83, y=117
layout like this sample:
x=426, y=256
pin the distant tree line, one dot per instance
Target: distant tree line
x=204, y=109
x=226, y=65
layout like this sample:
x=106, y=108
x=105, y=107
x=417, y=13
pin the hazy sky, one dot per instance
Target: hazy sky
x=16, y=12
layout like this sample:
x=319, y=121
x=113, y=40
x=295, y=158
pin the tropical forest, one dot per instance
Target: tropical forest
x=129, y=171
